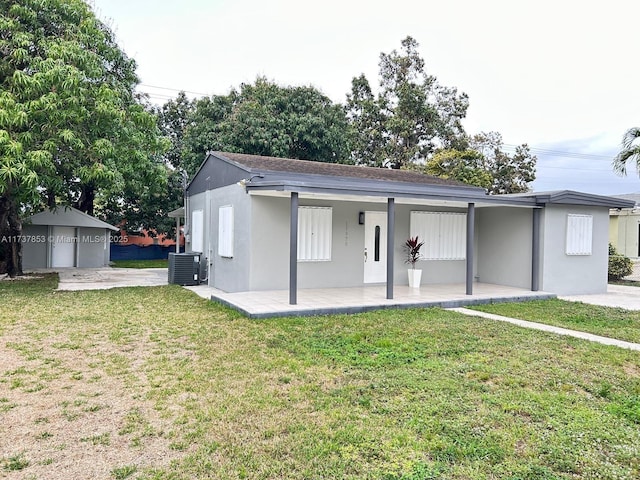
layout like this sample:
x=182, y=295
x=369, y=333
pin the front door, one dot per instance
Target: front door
x=375, y=247
x=63, y=247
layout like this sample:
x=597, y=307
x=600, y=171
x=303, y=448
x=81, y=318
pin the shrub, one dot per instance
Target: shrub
x=619, y=265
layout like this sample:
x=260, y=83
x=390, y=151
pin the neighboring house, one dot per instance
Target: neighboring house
x=142, y=246
x=349, y=223
x=624, y=226
x=65, y=237
x=143, y=238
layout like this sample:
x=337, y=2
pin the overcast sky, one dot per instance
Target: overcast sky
x=560, y=75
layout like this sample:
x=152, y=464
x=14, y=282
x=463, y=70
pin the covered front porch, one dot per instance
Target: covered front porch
x=325, y=301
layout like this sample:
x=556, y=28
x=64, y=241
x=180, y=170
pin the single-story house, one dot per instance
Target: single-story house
x=264, y=223
x=624, y=226
x=65, y=237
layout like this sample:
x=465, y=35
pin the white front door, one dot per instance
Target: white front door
x=375, y=247
x=63, y=247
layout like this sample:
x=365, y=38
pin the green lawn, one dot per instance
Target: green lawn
x=175, y=387
x=140, y=263
x=608, y=322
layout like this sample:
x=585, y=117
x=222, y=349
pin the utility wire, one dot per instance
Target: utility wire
x=509, y=147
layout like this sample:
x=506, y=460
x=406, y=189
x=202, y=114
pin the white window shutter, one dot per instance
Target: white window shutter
x=197, y=231
x=444, y=234
x=225, y=231
x=314, y=234
x=579, y=234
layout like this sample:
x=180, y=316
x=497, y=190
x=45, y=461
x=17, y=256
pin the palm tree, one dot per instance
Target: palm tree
x=630, y=151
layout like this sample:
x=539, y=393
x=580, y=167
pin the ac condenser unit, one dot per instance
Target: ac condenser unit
x=184, y=268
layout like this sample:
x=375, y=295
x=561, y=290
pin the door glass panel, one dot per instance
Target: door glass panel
x=376, y=255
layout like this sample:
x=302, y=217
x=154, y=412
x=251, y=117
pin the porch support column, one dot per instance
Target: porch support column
x=391, y=227
x=293, y=250
x=178, y=234
x=535, y=251
x=471, y=221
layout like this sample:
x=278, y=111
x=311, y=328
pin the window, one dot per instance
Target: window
x=225, y=231
x=196, y=231
x=579, y=234
x=314, y=234
x=443, y=233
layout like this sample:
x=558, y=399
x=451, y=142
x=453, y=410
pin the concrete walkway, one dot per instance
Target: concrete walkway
x=107, y=277
x=551, y=329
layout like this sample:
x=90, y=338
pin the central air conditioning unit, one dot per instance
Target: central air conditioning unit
x=184, y=268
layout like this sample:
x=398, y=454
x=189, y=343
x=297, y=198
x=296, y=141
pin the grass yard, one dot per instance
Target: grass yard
x=156, y=383
x=140, y=263
x=607, y=322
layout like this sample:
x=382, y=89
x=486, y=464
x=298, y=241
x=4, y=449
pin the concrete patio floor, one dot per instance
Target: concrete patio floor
x=322, y=301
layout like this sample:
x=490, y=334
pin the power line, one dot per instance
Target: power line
x=510, y=147
x=174, y=90
x=544, y=151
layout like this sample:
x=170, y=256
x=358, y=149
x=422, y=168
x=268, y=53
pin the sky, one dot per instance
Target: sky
x=559, y=75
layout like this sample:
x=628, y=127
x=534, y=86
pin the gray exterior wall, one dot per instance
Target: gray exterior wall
x=35, y=252
x=270, y=247
x=504, y=246
x=573, y=274
x=92, y=247
x=231, y=274
x=227, y=274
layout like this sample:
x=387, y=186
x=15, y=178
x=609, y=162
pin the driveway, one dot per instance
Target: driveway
x=617, y=296
x=104, y=278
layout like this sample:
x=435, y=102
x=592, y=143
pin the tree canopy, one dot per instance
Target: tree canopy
x=411, y=117
x=71, y=125
x=262, y=118
x=630, y=152
x=485, y=164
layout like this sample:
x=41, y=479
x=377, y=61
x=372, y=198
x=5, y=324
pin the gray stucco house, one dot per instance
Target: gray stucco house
x=264, y=223
x=63, y=238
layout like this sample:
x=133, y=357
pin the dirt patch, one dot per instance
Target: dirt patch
x=77, y=410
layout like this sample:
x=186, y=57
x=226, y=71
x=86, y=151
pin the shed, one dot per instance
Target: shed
x=65, y=237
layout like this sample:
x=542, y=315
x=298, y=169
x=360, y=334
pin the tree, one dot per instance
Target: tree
x=366, y=124
x=412, y=116
x=70, y=122
x=173, y=120
x=630, y=152
x=486, y=165
x=511, y=173
x=265, y=119
x=467, y=166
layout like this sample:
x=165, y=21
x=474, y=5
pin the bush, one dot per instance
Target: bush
x=619, y=265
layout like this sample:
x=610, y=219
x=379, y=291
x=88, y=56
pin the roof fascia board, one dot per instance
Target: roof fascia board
x=442, y=193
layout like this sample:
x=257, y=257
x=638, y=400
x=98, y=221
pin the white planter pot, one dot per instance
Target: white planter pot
x=415, y=275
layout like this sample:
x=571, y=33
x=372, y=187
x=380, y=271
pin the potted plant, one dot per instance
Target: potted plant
x=412, y=248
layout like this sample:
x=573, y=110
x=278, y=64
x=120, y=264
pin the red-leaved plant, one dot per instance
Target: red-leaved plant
x=412, y=248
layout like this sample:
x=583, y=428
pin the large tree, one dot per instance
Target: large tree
x=485, y=164
x=410, y=118
x=262, y=118
x=70, y=122
x=630, y=152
